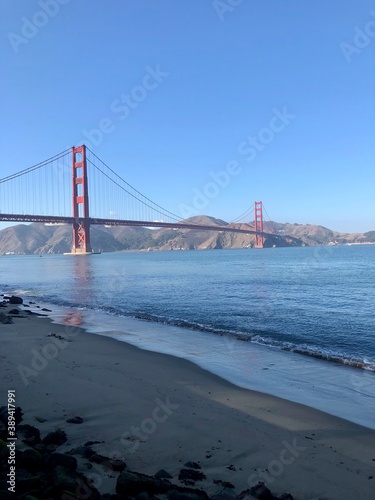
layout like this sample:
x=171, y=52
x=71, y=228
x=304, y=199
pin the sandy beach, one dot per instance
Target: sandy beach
x=159, y=412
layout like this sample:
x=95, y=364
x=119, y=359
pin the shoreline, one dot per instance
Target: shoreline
x=334, y=388
x=236, y=435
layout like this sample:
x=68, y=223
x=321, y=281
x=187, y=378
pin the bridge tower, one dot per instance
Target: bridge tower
x=259, y=238
x=81, y=225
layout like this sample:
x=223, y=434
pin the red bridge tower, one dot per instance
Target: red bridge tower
x=81, y=226
x=259, y=239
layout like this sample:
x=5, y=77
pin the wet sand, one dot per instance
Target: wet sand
x=157, y=411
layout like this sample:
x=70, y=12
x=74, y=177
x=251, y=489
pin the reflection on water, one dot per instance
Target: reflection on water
x=83, y=279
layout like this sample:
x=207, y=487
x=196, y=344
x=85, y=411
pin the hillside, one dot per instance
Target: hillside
x=42, y=239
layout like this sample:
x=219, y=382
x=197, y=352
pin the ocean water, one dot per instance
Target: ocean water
x=294, y=322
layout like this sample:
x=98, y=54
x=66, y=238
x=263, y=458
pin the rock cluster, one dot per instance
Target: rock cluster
x=45, y=473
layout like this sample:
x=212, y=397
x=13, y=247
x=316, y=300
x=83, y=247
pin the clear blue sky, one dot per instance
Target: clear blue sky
x=222, y=72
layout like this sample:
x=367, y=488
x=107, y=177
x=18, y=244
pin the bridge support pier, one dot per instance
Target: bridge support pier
x=259, y=238
x=81, y=226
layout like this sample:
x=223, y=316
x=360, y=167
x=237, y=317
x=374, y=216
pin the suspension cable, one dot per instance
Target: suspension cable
x=248, y=211
x=163, y=210
x=35, y=167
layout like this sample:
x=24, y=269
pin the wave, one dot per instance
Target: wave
x=262, y=337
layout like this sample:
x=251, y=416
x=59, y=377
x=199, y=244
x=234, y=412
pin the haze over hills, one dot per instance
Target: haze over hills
x=41, y=239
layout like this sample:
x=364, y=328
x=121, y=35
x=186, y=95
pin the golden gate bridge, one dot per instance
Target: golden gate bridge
x=60, y=186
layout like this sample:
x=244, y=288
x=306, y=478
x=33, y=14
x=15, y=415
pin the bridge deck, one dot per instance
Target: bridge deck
x=51, y=219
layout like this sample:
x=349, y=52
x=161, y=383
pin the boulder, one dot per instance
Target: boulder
x=113, y=464
x=64, y=479
x=30, y=459
x=31, y=435
x=132, y=483
x=83, y=451
x=181, y=493
x=56, y=437
x=4, y=414
x=192, y=465
x=74, y=420
x=163, y=474
x=224, y=494
x=189, y=475
x=259, y=491
x=60, y=459
x=15, y=300
x=5, y=320
x=28, y=485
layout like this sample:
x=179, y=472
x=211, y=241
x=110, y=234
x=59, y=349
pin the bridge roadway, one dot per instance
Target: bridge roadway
x=52, y=219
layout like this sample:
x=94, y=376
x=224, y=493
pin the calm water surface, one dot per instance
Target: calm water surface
x=303, y=315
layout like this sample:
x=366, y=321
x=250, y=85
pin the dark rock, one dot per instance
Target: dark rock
x=83, y=451
x=259, y=491
x=31, y=435
x=45, y=309
x=75, y=420
x=181, y=493
x=143, y=496
x=5, y=320
x=27, y=485
x=26, y=305
x=224, y=484
x=4, y=414
x=56, y=437
x=133, y=483
x=15, y=300
x=90, y=443
x=41, y=420
x=286, y=496
x=113, y=464
x=3, y=451
x=30, y=459
x=56, y=459
x=163, y=474
x=6, y=495
x=190, y=475
x=225, y=494
x=84, y=490
x=45, y=449
x=64, y=479
x=13, y=311
x=192, y=465
x=3, y=431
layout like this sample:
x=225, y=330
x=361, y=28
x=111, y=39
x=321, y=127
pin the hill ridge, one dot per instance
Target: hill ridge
x=39, y=238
